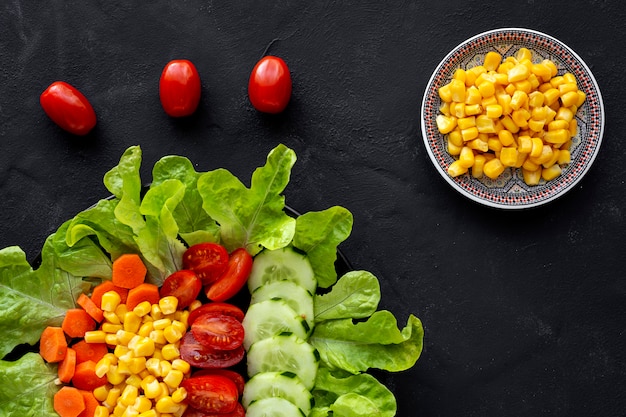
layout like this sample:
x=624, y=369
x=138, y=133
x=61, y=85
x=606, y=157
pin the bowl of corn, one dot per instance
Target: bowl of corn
x=512, y=118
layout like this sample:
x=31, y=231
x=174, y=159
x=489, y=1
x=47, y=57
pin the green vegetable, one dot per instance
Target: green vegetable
x=356, y=295
x=28, y=387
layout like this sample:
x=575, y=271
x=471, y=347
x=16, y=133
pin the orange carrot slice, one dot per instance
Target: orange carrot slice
x=85, y=377
x=89, y=351
x=90, y=404
x=106, y=286
x=76, y=322
x=67, y=366
x=68, y=402
x=90, y=307
x=52, y=344
x=129, y=271
x=142, y=292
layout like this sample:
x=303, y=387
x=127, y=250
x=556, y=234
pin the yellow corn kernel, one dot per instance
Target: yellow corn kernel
x=506, y=137
x=110, y=301
x=518, y=73
x=149, y=413
x=167, y=405
x=476, y=71
x=158, y=337
x=153, y=366
x=183, y=319
x=484, y=124
x=112, y=397
x=553, y=158
x=520, y=117
x=111, y=339
x=493, y=111
x=510, y=89
x=102, y=367
x=445, y=124
x=569, y=99
x=457, y=89
x=493, y=168
x=473, y=96
x=492, y=61
x=523, y=53
x=564, y=157
x=519, y=99
x=456, y=168
x=531, y=177
x=509, y=125
x=101, y=392
x=457, y=110
x=466, y=122
x=143, y=404
x=459, y=74
x=170, y=352
x=508, y=156
x=530, y=165
x=478, y=144
x=536, y=147
x=581, y=98
x=119, y=410
x=445, y=93
x=156, y=311
x=551, y=96
x=556, y=136
x=536, y=125
x=173, y=378
x=488, y=101
x=469, y=133
x=144, y=346
x=151, y=387
x=477, y=168
x=121, y=350
x=487, y=88
x=453, y=149
x=111, y=317
x=143, y=308
x=165, y=366
x=134, y=380
x=132, y=321
x=121, y=311
x=524, y=144
x=181, y=365
x=525, y=86
x=168, y=304
x=505, y=66
x=542, y=71
x=101, y=411
x=551, y=173
x=130, y=412
x=194, y=305
x=466, y=158
x=110, y=327
x=136, y=365
x=114, y=377
x=564, y=113
x=173, y=333
x=95, y=336
x=535, y=99
x=567, y=87
x=551, y=65
x=455, y=137
x=546, y=155
x=472, y=109
x=129, y=395
x=145, y=329
x=161, y=324
x=179, y=395
x=494, y=144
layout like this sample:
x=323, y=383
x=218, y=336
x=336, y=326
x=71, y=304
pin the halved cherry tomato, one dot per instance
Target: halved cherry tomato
x=211, y=393
x=203, y=357
x=207, y=260
x=239, y=411
x=222, y=308
x=235, y=277
x=269, y=87
x=179, y=88
x=236, y=377
x=68, y=108
x=184, y=285
x=218, y=331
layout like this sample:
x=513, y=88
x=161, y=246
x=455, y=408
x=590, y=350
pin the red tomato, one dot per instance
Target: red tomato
x=204, y=357
x=236, y=377
x=179, y=88
x=68, y=108
x=269, y=87
x=184, y=285
x=222, y=308
x=235, y=277
x=207, y=260
x=218, y=331
x=211, y=393
x=237, y=412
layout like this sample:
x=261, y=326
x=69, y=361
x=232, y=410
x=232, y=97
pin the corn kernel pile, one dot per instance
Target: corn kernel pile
x=510, y=113
x=144, y=370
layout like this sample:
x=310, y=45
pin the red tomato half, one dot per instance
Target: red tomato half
x=239, y=411
x=269, y=87
x=184, y=285
x=68, y=108
x=235, y=277
x=179, y=88
x=218, y=331
x=203, y=357
x=221, y=308
x=207, y=260
x=236, y=377
x=211, y=393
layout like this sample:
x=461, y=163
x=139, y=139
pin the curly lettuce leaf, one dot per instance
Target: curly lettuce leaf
x=251, y=217
x=195, y=225
x=318, y=234
x=28, y=387
x=355, y=295
x=374, y=343
x=351, y=396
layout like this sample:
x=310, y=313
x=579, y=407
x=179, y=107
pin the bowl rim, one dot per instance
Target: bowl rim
x=451, y=181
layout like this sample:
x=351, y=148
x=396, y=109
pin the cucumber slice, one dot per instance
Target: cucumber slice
x=269, y=318
x=273, y=407
x=275, y=384
x=280, y=265
x=284, y=353
x=298, y=298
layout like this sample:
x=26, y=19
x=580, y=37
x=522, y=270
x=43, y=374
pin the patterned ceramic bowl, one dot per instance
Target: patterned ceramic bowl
x=509, y=191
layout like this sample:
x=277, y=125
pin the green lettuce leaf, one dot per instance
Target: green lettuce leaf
x=375, y=343
x=355, y=295
x=253, y=217
x=318, y=234
x=28, y=387
x=351, y=396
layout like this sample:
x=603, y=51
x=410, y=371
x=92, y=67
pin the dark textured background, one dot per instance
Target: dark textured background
x=524, y=312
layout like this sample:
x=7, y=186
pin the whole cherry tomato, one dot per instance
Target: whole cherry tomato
x=184, y=285
x=179, y=88
x=68, y=108
x=211, y=393
x=207, y=260
x=235, y=277
x=269, y=87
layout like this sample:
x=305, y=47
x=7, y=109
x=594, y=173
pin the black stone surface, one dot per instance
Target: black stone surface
x=524, y=312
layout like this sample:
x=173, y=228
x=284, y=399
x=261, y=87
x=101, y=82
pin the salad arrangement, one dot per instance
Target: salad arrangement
x=310, y=336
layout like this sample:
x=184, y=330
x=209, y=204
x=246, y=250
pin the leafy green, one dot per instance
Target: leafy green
x=253, y=217
x=319, y=234
x=28, y=387
x=355, y=295
x=375, y=343
x=351, y=396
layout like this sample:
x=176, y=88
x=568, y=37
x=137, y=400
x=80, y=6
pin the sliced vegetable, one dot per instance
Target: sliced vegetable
x=85, y=377
x=106, y=286
x=90, y=307
x=280, y=265
x=91, y=403
x=208, y=260
x=77, y=322
x=67, y=366
x=296, y=297
x=142, y=292
x=276, y=384
x=203, y=357
x=184, y=285
x=69, y=402
x=236, y=377
x=227, y=309
x=53, y=345
x=218, y=331
x=211, y=393
x=89, y=351
x=234, y=278
x=129, y=271
x=273, y=406
x=270, y=318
